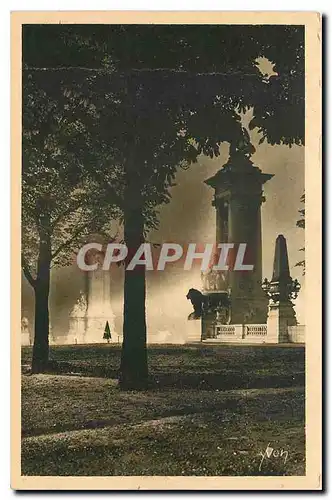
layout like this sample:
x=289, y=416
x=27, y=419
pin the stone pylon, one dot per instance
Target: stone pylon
x=25, y=332
x=93, y=308
x=99, y=308
x=238, y=196
x=280, y=290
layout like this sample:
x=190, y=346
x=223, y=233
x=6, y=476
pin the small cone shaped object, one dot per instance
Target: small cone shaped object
x=107, y=332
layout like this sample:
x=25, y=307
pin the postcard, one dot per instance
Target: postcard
x=166, y=251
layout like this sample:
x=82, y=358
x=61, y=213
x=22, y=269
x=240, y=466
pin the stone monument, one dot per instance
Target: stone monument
x=280, y=290
x=77, y=321
x=99, y=308
x=93, y=308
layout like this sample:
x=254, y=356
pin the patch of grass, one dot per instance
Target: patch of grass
x=196, y=366
x=206, y=444
x=210, y=411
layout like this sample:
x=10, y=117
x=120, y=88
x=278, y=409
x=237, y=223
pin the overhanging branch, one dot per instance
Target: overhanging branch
x=27, y=272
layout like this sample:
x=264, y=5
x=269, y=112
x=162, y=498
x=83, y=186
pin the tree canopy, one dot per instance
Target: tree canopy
x=219, y=59
x=55, y=148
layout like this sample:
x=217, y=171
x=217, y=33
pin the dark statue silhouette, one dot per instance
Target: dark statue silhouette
x=203, y=304
x=197, y=299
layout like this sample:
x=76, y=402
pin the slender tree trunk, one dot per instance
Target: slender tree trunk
x=134, y=365
x=41, y=342
x=42, y=288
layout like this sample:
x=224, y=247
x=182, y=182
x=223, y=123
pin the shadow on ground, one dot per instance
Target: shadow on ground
x=188, y=367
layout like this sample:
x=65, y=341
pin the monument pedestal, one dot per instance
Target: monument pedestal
x=25, y=332
x=194, y=330
x=252, y=311
x=25, y=339
x=280, y=317
x=95, y=329
x=77, y=326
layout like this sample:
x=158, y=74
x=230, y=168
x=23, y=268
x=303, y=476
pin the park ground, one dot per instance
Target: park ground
x=210, y=410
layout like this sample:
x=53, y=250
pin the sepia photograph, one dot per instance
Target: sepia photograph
x=165, y=220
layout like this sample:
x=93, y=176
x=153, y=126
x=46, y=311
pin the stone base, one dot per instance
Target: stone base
x=95, y=328
x=296, y=334
x=85, y=330
x=77, y=326
x=25, y=339
x=249, y=311
x=280, y=317
x=71, y=339
x=194, y=330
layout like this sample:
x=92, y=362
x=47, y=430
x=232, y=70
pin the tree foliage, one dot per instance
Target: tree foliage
x=167, y=93
x=55, y=148
x=301, y=223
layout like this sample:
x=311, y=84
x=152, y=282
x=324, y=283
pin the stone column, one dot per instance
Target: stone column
x=238, y=198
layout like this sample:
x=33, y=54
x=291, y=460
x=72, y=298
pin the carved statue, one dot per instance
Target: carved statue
x=25, y=325
x=79, y=309
x=242, y=145
x=207, y=304
x=197, y=299
x=212, y=280
x=248, y=315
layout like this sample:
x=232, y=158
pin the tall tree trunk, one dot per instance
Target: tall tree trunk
x=134, y=365
x=41, y=342
x=42, y=289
